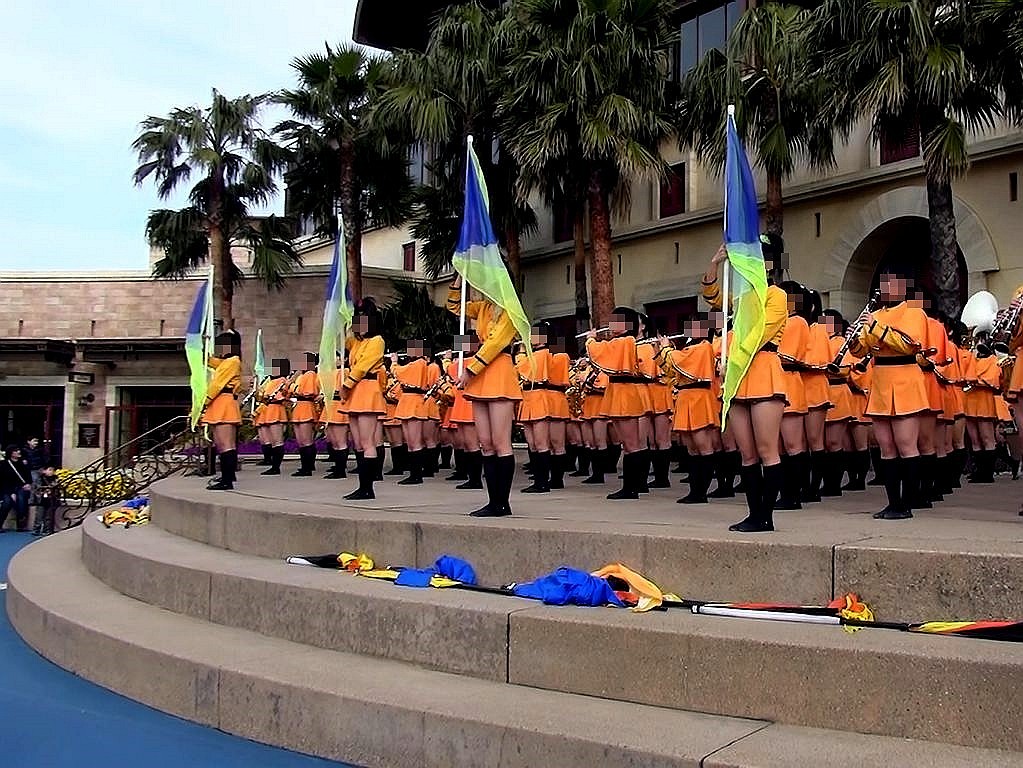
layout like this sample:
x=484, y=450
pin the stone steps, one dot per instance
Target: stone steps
x=373, y=711
x=947, y=689
x=929, y=569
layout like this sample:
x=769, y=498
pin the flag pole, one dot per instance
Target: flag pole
x=465, y=286
x=726, y=298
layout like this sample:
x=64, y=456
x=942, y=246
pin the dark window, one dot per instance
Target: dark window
x=900, y=143
x=673, y=192
x=708, y=30
x=1013, y=186
x=408, y=252
x=668, y=315
x=564, y=222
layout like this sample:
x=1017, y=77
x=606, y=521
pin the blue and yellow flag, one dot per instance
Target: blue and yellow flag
x=749, y=283
x=338, y=311
x=478, y=258
x=200, y=324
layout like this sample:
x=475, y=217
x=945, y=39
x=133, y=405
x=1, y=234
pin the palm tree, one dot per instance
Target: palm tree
x=437, y=99
x=237, y=161
x=916, y=65
x=412, y=314
x=768, y=73
x=336, y=156
x=588, y=78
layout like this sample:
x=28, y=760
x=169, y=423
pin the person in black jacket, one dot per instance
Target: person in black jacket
x=35, y=456
x=15, y=488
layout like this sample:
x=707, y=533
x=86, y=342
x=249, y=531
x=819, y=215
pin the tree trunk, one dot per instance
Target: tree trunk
x=220, y=258
x=513, y=252
x=349, y=212
x=601, y=271
x=774, y=211
x=944, y=246
x=582, y=305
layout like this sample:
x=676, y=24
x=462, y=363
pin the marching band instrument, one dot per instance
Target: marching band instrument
x=1005, y=327
x=979, y=316
x=835, y=365
x=657, y=339
x=440, y=390
x=597, y=331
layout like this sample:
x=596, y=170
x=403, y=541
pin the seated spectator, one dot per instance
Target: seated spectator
x=46, y=493
x=15, y=488
x=35, y=457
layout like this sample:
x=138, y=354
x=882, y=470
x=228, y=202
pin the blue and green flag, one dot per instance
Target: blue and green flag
x=198, y=343
x=748, y=291
x=259, y=360
x=478, y=258
x=338, y=311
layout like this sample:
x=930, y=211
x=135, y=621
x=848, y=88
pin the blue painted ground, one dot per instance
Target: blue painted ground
x=51, y=719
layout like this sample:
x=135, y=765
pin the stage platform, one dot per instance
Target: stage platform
x=198, y=615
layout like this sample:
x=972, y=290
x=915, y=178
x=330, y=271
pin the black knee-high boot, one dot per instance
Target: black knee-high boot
x=306, y=462
x=796, y=467
x=367, y=474
x=660, y=460
x=753, y=486
x=430, y=456
x=540, y=461
x=859, y=464
x=415, y=469
x=276, y=457
x=928, y=482
x=559, y=463
x=910, y=483
x=643, y=471
x=774, y=476
x=632, y=465
x=267, y=455
x=445, y=456
x=399, y=460
x=875, y=462
x=728, y=464
x=984, y=467
x=700, y=471
x=473, y=470
x=496, y=472
x=459, y=474
x=598, y=465
x=834, y=468
x=812, y=487
x=228, y=468
x=583, y=454
x=614, y=452
x=892, y=471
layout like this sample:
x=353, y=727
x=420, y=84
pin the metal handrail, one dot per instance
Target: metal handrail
x=113, y=478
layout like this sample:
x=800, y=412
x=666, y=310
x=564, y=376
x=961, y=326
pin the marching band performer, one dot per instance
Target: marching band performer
x=658, y=423
x=983, y=377
x=362, y=396
x=431, y=427
x=391, y=425
x=335, y=422
x=221, y=412
x=490, y=382
x=626, y=399
x=816, y=389
x=792, y=352
x=759, y=404
x=413, y=410
x=534, y=411
x=932, y=430
x=466, y=437
x=559, y=415
x=273, y=415
x=594, y=383
x=697, y=409
x=895, y=335
x=305, y=393
x=841, y=414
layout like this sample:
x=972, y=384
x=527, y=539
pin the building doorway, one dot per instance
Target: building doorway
x=903, y=244
x=33, y=412
x=143, y=412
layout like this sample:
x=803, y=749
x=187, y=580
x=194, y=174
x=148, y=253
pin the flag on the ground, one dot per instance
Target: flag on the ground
x=478, y=258
x=749, y=283
x=197, y=347
x=338, y=311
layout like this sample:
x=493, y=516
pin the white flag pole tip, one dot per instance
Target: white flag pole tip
x=731, y=110
x=468, y=139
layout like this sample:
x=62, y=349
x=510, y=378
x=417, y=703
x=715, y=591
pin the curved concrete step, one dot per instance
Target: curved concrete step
x=947, y=689
x=374, y=712
x=929, y=569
